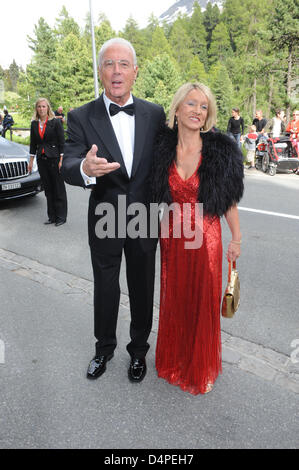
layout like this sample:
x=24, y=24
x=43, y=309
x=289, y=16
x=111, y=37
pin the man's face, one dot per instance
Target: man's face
x=281, y=115
x=117, y=73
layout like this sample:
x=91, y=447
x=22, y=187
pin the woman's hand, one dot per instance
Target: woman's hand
x=30, y=165
x=234, y=247
x=234, y=251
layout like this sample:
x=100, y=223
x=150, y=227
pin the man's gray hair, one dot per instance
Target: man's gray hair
x=112, y=42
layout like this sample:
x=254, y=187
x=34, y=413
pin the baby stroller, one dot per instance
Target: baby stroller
x=274, y=154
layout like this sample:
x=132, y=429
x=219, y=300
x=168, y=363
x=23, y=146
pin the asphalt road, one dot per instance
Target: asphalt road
x=45, y=400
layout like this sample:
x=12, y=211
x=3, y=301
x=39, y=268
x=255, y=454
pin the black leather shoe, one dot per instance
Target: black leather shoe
x=48, y=222
x=60, y=222
x=97, y=366
x=137, y=369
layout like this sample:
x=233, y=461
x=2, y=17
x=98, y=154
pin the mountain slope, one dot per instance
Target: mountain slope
x=184, y=7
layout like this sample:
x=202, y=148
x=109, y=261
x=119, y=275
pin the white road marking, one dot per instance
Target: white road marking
x=276, y=214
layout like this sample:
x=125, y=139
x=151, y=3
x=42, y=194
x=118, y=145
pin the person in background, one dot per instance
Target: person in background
x=7, y=122
x=235, y=126
x=293, y=126
x=59, y=114
x=259, y=122
x=293, y=130
x=250, y=145
x=47, y=144
x=276, y=126
x=193, y=164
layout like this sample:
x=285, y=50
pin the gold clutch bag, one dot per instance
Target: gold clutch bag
x=231, y=299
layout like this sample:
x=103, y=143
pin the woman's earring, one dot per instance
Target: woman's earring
x=175, y=122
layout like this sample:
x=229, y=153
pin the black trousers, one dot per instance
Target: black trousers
x=140, y=270
x=54, y=187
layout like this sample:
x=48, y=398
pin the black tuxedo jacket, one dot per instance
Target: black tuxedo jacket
x=53, y=141
x=90, y=124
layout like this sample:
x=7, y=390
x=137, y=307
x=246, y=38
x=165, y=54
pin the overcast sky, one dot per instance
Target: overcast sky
x=19, y=17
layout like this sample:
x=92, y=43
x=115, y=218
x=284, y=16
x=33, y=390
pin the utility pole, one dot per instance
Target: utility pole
x=94, y=55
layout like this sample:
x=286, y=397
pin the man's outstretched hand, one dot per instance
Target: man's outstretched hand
x=96, y=166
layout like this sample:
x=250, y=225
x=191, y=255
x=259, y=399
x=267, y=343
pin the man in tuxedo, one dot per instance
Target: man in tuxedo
x=110, y=146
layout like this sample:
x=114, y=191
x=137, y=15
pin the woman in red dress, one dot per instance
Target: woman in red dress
x=194, y=164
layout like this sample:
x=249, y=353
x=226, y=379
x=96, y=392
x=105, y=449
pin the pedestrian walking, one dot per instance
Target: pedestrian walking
x=47, y=144
x=235, y=126
x=7, y=122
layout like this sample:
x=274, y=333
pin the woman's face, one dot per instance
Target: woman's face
x=234, y=113
x=42, y=109
x=193, y=111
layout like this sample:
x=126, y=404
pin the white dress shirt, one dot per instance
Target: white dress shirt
x=124, y=127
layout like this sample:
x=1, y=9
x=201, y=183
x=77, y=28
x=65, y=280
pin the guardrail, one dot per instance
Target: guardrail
x=17, y=129
x=12, y=129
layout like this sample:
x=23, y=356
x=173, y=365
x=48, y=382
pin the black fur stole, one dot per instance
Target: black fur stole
x=220, y=174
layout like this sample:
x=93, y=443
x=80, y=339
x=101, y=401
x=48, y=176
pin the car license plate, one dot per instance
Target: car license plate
x=7, y=187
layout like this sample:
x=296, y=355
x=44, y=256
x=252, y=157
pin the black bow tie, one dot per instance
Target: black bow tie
x=114, y=109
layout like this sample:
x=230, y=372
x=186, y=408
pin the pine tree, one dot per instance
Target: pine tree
x=211, y=18
x=220, y=47
x=196, y=72
x=159, y=44
x=41, y=70
x=14, y=73
x=181, y=43
x=103, y=32
x=65, y=25
x=197, y=34
x=158, y=80
x=222, y=88
x=74, y=74
x=133, y=34
x=285, y=38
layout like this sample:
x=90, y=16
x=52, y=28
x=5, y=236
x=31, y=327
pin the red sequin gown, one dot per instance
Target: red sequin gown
x=188, y=352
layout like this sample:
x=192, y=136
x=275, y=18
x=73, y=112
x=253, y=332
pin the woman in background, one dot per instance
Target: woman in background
x=47, y=143
x=235, y=126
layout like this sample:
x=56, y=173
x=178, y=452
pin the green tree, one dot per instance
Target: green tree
x=74, y=74
x=41, y=70
x=220, y=47
x=65, y=25
x=103, y=32
x=181, y=44
x=13, y=72
x=197, y=34
x=159, y=44
x=236, y=17
x=133, y=34
x=158, y=80
x=222, y=88
x=211, y=18
x=196, y=72
x=285, y=38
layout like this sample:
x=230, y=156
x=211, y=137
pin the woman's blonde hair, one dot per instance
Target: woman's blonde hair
x=50, y=113
x=181, y=95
